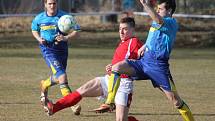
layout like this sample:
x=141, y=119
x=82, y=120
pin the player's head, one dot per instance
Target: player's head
x=127, y=14
x=166, y=7
x=50, y=7
x=126, y=28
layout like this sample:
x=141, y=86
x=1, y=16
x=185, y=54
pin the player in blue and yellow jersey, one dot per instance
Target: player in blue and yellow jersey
x=54, y=48
x=154, y=63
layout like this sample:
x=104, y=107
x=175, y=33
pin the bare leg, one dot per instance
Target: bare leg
x=123, y=68
x=179, y=104
x=121, y=113
x=91, y=89
x=172, y=96
x=113, y=83
x=64, y=87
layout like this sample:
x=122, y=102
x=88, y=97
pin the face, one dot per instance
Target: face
x=125, y=31
x=51, y=7
x=162, y=11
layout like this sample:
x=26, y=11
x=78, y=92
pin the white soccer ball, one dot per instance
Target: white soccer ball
x=65, y=23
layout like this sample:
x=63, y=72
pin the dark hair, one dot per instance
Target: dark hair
x=170, y=4
x=45, y=1
x=129, y=20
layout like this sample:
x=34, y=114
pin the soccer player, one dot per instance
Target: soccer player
x=127, y=49
x=153, y=64
x=54, y=48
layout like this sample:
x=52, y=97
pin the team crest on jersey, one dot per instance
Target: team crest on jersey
x=56, y=64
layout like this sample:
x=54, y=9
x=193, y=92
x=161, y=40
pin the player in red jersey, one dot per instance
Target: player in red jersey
x=127, y=49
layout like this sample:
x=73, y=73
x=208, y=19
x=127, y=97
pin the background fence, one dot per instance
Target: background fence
x=35, y=6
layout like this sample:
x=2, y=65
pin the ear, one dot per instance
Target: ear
x=45, y=5
x=170, y=11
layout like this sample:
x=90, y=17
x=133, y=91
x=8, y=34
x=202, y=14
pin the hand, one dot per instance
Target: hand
x=42, y=41
x=141, y=51
x=145, y=2
x=60, y=37
x=142, y=1
x=108, y=69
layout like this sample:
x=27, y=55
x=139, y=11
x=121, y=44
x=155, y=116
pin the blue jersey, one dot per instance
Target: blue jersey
x=47, y=25
x=161, y=38
x=48, y=29
x=55, y=54
x=154, y=64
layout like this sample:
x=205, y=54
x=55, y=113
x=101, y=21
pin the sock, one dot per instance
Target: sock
x=186, y=112
x=67, y=101
x=47, y=83
x=113, y=85
x=64, y=88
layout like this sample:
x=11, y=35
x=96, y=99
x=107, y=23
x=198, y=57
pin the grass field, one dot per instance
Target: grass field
x=22, y=69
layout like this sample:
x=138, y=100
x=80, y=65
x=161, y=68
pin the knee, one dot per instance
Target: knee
x=97, y=79
x=62, y=78
x=177, y=103
x=175, y=100
x=118, y=66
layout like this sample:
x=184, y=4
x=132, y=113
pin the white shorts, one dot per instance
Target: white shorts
x=124, y=93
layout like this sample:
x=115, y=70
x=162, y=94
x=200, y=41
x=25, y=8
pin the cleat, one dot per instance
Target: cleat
x=43, y=99
x=105, y=108
x=49, y=108
x=76, y=109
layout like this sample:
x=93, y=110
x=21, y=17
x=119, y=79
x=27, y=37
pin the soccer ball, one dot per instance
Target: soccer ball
x=65, y=23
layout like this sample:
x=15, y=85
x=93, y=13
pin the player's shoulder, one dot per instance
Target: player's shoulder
x=170, y=20
x=137, y=40
x=40, y=15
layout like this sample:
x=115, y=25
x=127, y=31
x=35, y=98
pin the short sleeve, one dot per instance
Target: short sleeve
x=34, y=25
x=169, y=25
x=76, y=27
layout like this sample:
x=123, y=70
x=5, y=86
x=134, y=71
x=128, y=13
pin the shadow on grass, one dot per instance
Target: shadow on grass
x=71, y=56
x=15, y=103
x=170, y=114
x=95, y=114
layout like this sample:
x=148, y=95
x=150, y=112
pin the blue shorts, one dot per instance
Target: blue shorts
x=157, y=72
x=56, y=61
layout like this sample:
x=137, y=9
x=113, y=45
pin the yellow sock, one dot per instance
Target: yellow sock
x=113, y=85
x=65, y=90
x=186, y=112
x=47, y=83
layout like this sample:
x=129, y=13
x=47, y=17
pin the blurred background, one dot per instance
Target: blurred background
x=35, y=6
x=100, y=17
x=22, y=66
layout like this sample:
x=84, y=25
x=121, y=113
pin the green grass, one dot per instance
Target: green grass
x=22, y=69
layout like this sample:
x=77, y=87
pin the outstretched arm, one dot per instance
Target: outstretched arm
x=141, y=51
x=73, y=34
x=152, y=13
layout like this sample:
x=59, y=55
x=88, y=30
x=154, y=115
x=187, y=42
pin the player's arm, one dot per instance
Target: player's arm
x=73, y=34
x=38, y=38
x=141, y=51
x=108, y=69
x=152, y=13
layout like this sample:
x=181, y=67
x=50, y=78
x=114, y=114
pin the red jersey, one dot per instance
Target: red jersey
x=127, y=49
